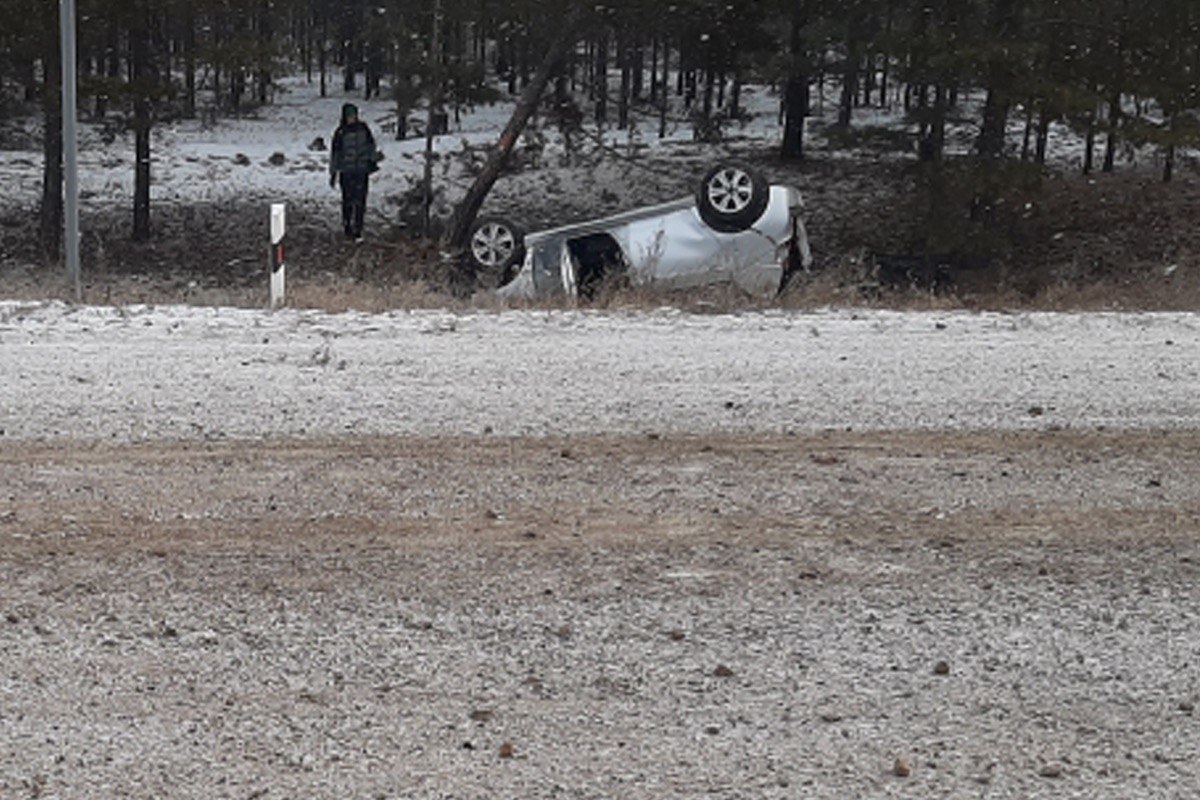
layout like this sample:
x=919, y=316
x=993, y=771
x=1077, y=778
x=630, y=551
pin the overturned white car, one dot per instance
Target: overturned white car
x=737, y=229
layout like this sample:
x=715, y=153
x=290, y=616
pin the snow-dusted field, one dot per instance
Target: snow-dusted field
x=177, y=372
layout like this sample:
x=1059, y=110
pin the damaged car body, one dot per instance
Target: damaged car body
x=737, y=229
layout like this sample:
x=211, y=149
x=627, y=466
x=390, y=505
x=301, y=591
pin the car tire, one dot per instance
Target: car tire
x=732, y=197
x=496, y=249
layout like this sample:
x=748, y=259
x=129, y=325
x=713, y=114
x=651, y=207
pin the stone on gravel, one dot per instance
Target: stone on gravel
x=902, y=768
x=506, y=750
x=1051, y=771
x=941, y=668
x=723, y=671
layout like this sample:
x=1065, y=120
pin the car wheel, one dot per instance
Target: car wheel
x=732, y=197
x=496, y=248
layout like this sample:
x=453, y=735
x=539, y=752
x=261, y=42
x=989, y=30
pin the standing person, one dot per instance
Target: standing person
x=352, y=159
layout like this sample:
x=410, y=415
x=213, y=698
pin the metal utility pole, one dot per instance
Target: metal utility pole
x=70, y=144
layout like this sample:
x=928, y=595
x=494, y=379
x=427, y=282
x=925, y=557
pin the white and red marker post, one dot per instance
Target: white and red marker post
x=278, y=265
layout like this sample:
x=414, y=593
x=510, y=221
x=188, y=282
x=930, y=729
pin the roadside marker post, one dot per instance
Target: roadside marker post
x=278, y=266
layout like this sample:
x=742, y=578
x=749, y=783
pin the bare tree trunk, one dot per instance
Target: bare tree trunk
x=139, y=64
x=1089, y=145
x=849, y=82
x=1114, y=122
x=885, y=72
x=112, y=65
x=664, y=89
x=1027, y=136
x=350, y=31
x=218, y=35
x=323, y=55
x=990, y=143
x=1043, y=135
x=51, y=217
x=468, y=207
x=638, y=66
x=189, y=62
x=626, y=83
x=936, y=147
x=654, y=70
x=868, y=79
x=434, y=99
x=264, y=43
x=601, y=81
x=995, y=117
x=796, y=93
x=306, y=39
x=28, y=71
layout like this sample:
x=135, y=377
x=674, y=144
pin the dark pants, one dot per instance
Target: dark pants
x=354, y=201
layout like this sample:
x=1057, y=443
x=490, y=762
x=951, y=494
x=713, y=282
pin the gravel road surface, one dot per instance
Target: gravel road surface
x=576, y=555
x=146, y=373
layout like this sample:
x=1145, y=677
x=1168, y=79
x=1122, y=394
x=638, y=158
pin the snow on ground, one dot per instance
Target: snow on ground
x=195, y=161
x=200, y=161
x=179, y=372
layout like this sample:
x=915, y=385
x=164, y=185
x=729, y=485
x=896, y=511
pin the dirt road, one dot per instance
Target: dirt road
x=1012, y=615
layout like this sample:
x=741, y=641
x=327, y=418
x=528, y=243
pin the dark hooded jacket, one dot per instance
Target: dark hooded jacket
x=353, y=148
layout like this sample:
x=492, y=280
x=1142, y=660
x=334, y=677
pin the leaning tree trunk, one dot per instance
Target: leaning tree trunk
x=468, y=208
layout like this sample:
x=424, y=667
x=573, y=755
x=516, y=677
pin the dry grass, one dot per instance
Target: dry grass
x=1122, y=242
x=1179, y=291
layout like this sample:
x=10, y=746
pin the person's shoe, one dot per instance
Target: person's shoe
x=358, y=239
